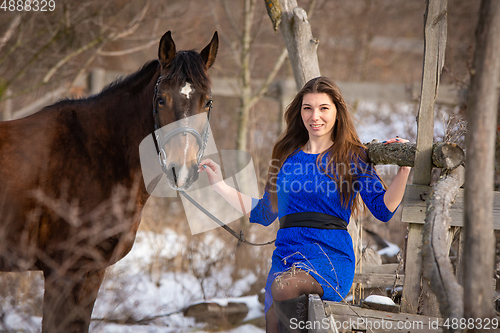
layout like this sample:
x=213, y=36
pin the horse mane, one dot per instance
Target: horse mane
x=188, y=66
x=133, y=82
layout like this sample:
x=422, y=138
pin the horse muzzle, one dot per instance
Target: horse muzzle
x=183, y=172
x=181, y=177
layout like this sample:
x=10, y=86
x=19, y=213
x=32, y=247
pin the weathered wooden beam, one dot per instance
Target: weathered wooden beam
x=437, y=268
x=357, y=319
x=372, y=280
x=435, y=35
x=383, y=269
x=415, y=203
x=317, y=316
x=445, y=155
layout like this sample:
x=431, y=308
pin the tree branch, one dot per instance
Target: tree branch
x=128, y=51
x=444, y=154
x=10, y=31
x=132, y=27
x=70, y=56
x=264, y=86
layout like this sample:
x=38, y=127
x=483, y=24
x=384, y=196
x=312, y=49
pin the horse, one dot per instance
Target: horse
x=71, y=187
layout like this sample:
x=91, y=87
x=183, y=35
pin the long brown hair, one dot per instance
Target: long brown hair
x=346, y=148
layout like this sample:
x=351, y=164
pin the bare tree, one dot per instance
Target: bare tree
x=50, y=50
x=243, y=54
x=480, y=142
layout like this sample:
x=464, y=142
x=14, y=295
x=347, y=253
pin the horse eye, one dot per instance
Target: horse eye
x=208, y=104
x=161, y=102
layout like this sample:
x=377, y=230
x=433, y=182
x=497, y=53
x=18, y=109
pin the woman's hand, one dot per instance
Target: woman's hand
x=395, y=192
x=396, y=139
x=213, y=171
x=240, y=201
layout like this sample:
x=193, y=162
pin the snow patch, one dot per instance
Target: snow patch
x=379, y=300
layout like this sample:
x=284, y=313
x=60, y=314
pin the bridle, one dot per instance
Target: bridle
x=202, y=140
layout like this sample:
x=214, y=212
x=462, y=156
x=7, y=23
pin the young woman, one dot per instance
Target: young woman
x=318, y=168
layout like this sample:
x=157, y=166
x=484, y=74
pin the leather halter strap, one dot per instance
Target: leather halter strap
x=202, y=139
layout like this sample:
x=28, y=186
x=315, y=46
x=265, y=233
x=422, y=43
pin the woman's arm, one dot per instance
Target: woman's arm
x=240, y=201
x=396, y=190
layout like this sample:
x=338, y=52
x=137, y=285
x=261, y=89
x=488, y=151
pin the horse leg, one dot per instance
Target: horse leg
x=68, y=302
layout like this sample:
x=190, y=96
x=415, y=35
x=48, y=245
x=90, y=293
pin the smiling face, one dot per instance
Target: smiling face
x=318, y=115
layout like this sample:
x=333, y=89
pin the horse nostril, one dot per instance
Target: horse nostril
x=171, y=168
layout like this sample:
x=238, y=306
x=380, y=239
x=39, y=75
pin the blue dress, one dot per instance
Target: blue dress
x=327, y=254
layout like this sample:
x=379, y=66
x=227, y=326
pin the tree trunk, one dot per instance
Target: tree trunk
x=300, y=43
x=437, y=268
x=480, y=140
x=246, y=89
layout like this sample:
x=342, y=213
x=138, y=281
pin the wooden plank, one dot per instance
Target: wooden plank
x=371, y=280
x=348, y=317
x=413, y=269
x=414, y=206
x=382, y=269
x=317, y=317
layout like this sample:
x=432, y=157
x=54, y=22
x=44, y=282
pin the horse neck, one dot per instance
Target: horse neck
x=130, y=120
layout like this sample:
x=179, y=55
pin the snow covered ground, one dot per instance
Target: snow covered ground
x=132, y=289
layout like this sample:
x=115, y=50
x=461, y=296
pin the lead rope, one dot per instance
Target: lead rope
x=240, y=237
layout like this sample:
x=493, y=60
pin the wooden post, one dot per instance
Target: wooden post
x=300, y=43
x=7, y=112
x=434, y=47
x=286, y=93
x=480, y=143
x=96, y=80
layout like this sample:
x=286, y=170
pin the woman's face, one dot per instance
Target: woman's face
x=318, y=114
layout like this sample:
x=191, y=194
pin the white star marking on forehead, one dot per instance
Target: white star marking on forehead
x=186, y=90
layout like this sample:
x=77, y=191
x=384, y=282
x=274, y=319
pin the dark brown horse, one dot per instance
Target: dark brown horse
x=71, y=188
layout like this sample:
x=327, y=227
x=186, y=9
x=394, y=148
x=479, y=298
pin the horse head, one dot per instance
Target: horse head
x=182, y=91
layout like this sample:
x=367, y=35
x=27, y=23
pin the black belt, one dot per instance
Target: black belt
x=312, y=220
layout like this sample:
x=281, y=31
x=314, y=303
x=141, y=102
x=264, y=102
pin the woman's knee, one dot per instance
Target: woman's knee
x=289, y=286
x=283, y=289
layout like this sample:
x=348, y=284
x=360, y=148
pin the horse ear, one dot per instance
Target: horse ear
x=166, y=51
x=210, y=51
